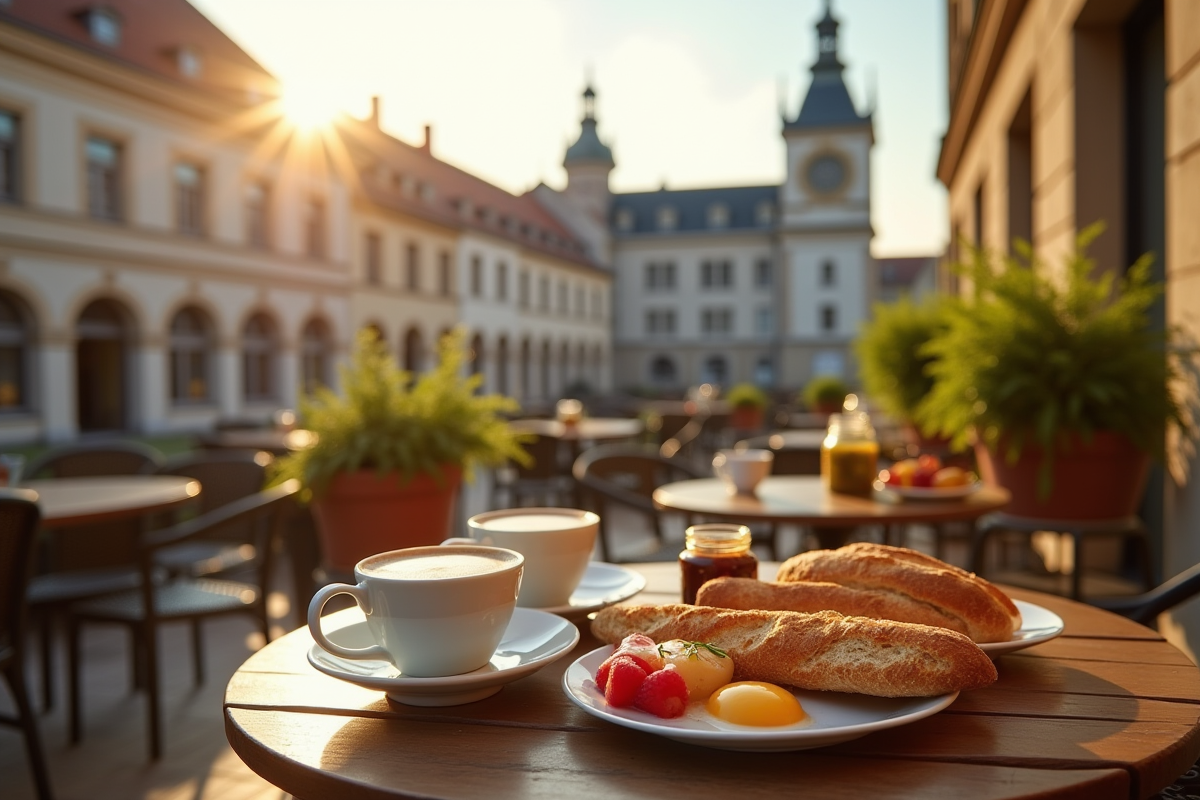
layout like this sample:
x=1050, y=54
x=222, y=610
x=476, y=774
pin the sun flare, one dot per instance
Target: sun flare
x=310, y=105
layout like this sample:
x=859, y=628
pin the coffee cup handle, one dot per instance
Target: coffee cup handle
x=323, y=595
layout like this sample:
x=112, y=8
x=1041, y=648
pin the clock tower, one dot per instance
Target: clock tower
x=825, y=222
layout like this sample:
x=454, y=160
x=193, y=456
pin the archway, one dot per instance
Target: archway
x=502, y=365
x=414, y=351
x=103, y=335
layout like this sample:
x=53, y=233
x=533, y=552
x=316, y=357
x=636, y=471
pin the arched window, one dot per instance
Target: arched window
x=191, y=368
x=662, y=370
x=477, y=354
x=502, y=365
x=16, y=338
x=316, y=352
x=414, y=351
x=260, y=342
x=716, y=370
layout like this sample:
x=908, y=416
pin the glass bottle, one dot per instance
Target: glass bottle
x=850, y=454
x=713, y=550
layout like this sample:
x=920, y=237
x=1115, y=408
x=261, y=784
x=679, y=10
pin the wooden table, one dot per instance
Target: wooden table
x=588, y=429
x=1108, y=710
x=66, y=502
x=803, y=500
x=275, y=441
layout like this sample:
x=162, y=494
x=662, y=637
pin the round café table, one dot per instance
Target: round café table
x=276, y=441
x=66, y=502
x=803, y=500
x=588, y=429
x=1108, y=711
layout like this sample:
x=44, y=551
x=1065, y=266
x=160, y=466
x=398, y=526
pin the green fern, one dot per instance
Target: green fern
x=746, y=395
x=895, y=371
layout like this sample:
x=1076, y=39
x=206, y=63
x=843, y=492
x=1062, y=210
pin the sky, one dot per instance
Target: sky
x=688, y=91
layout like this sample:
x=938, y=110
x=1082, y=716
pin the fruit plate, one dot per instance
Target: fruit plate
x=930, y=492
x=833, y=717
x=1037, y=625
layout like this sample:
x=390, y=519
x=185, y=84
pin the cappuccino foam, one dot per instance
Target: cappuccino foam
x=520, y=523
x=436, y=566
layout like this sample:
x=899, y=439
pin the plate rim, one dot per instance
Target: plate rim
x=803, y=738
x=994, y=649
x=612, y=598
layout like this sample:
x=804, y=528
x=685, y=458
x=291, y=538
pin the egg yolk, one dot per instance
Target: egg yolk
x=755, y=703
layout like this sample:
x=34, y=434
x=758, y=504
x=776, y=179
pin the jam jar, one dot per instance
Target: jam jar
x=714, y=550
x=850, y=454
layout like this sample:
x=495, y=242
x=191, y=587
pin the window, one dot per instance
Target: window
x=15, y=341
x=9, y=156
x=716, y=274
x=191, y=342
x=502, y=281
x=373, y=248
x=667, y=218
x=544, y=294
x=412, y=267
x=660, y=277
x=764, y=273
x=764, y=321
x=662, y=370
x=625, y=219
x=104, y=26
x=715, y=370
x=597, y=305
x=476, y=276
x=660, y=322
x=718, y=215
x=445, y=279
x=189, y=198
x=764, y=371
x=316, y=350
x=716, y=320
x=257, y=232
x=764, y=213
x=580, y=302
x=103, y=178
x=523, y=289
x=562, y=297
x=314, y=228
x=258, y=359
x=828, y=273
x=828, y=318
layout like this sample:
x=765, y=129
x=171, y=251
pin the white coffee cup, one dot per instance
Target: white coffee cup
x=432, y=611
x=741, y=470
x=556, y=542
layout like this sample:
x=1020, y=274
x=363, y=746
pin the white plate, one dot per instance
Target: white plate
x=532, y=640
x=930, y=492
x=833, y=717
x=603, y=585
x=1037, y=625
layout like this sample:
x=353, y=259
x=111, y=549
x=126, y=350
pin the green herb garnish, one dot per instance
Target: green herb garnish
x=692, y=650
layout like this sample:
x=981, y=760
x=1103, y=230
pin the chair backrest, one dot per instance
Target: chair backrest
x=19, y=516
x=628, y=474
x=224, y=475
x=88, y=460
x=788, y=460
x=544, y=450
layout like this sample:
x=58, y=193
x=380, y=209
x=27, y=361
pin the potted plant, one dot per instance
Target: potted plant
x=748, y=404
x=1059, y=381
x=825, y=394
x=893, y=364
x=390, y=452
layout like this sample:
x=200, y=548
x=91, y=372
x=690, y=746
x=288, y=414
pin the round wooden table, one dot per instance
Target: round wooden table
x=588, y=429
x=275, y=441
x=81, y=501
x=1108, y=710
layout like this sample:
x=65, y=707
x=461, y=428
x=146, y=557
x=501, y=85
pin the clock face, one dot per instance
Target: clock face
x=826, y=173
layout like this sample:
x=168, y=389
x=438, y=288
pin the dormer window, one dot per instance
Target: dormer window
x=104, y=26
x=625, y=219
x=667, y=218
x=764, y=213
x=188, y=62
x=718, y=215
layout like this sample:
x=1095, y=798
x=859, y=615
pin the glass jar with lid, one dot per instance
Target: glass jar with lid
x=714, y=550
x=850, y=454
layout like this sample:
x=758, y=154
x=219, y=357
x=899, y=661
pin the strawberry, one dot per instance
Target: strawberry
x=625, y=678
x=663, y=694
x=603, y=670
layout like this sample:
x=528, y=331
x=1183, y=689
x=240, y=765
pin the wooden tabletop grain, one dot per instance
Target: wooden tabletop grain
x=80, y=501
x=1108, y=710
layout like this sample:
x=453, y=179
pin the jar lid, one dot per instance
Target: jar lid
x=717, y=537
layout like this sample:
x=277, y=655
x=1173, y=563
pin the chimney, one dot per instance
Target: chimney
x=428, y=146
x=375, y=110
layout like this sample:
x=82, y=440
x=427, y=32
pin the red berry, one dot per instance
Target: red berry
x=663, y=694
x=603, y=670
x=625, y=677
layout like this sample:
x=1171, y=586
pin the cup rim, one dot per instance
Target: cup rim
x=516, y=562
x=583, y=519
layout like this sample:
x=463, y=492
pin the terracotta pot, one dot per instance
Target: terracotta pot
x=746, y=418
x=1101, y=479
x=360, y=514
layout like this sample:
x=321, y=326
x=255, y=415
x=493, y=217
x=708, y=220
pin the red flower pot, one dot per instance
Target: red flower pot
x=746, y=418
x=362, y=513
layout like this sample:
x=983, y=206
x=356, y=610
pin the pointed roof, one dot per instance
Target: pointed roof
x=588, y=148
x=827, y=103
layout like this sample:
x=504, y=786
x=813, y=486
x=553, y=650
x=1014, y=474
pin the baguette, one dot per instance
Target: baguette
x=811, y=596
x=825, y=651
x=988, y=614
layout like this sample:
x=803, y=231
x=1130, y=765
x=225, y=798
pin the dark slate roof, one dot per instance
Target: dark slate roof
x=691, y=208
x=827, y=103
x=588, y=147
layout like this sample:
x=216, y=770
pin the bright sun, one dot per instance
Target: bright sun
x=310, y=105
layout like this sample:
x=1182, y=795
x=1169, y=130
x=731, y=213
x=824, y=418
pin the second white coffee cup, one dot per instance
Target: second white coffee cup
x=556, y=542
x=742, y=470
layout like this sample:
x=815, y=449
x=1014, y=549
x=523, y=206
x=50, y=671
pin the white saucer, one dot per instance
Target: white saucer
x=833, y=717
x=603, y=585
x=532, y=640
x=1037, y=625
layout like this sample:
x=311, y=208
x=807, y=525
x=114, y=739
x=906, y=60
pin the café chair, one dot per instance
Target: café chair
x=19, y=518
x=626, y=475
x=96, y=458
x=544, y=483
x=182, y=598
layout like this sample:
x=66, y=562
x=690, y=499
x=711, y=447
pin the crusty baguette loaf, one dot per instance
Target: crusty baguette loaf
x=810, y=597
x=825, y=651
x=988, y=614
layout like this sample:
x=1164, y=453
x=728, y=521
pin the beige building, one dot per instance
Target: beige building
x=1063, y=112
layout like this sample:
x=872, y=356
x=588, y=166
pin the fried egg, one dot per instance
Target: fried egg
x=752, y=704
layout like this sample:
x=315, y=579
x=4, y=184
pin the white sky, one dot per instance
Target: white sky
x=688, y=90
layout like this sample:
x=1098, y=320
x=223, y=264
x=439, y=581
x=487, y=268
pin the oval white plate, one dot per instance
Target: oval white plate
x=1037, y=625
x=603, y=585
x=930, y=492
x=532, y=640
x=833, y=717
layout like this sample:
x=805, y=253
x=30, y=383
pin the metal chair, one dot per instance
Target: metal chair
x=183, y=598
x=19, y=518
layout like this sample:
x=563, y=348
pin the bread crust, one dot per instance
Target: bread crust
x=825, y=651
x=811, y=596
x=988, y=614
